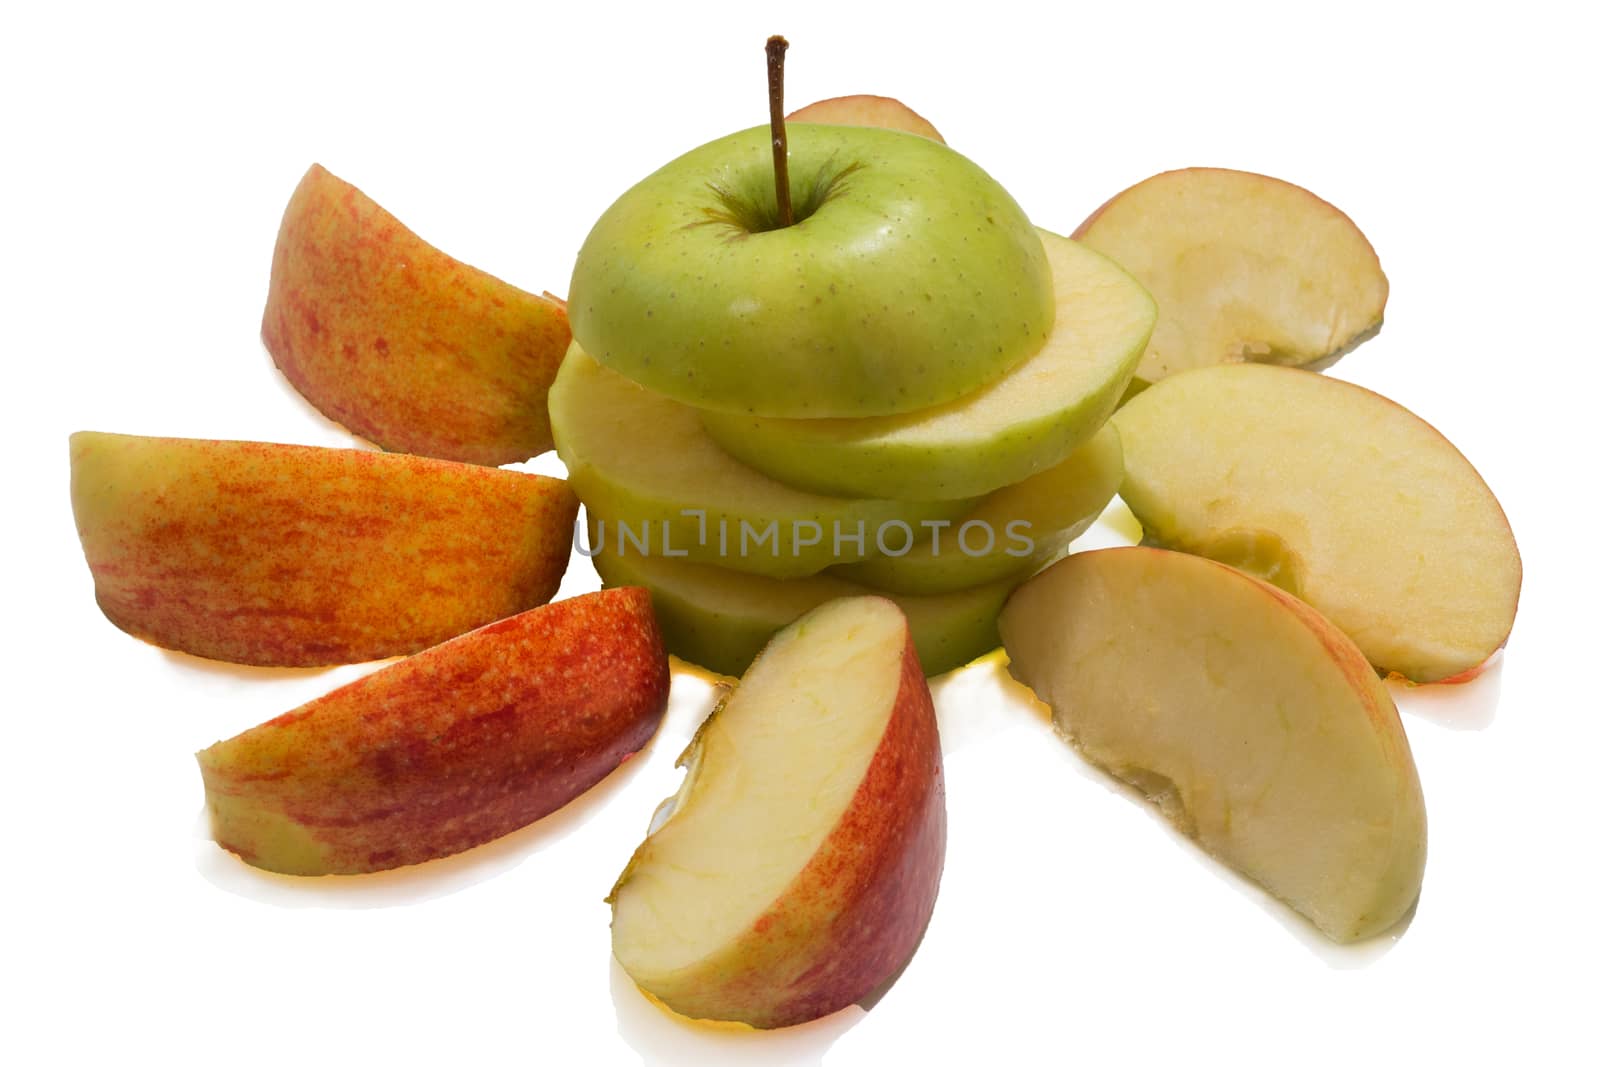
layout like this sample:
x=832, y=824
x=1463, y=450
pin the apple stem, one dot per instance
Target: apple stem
x=776, y=47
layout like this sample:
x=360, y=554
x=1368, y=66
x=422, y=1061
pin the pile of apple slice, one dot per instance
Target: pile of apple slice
x=833, y=433
x=906, y=400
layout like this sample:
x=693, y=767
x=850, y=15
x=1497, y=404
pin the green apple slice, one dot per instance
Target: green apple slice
x=1013, y=532
x=1254, y=725
x=637, y=458
x=1022, y=424
x=909, y=277
x=719, y=619
x=1338, y=495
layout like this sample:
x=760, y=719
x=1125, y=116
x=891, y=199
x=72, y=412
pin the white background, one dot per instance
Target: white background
x=148, y=154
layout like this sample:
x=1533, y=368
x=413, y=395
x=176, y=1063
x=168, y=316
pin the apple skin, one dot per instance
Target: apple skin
x=917, y=280
x=854, y=915
x=401, y=344
x=448, y=749
x=294, y=556
x=863, y=109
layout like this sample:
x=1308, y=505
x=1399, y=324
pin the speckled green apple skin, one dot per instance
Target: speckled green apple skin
x=916, y=279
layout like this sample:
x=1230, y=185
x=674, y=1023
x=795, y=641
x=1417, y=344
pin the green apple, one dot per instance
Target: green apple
x=1338, y=495
x=909, y=278
x=794, y=872
x=1020, y=425
x=634, y=457
x=1011, y=533
x=1252, y=723
x=719, y=618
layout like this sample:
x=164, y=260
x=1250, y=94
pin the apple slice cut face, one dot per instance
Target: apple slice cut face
x=720, y=619
x=1022, y=424
x=1243, y=267
x=1253, y=724
x=635, y=456
x=769, y=777
x=1336, y=494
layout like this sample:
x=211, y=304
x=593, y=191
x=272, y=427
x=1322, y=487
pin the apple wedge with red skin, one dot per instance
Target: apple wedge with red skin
x=796, y=869
x=448, y=749
x=864, y=109
x=295, y=556
x=401, y=344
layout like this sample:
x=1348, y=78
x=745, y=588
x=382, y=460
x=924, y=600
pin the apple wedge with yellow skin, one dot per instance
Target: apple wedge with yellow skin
x=1252, y=723
x=400, y=343
x=1011, y=533
x=636, y=457
x=1338, y=495
x=1244, y=268
x=864, y=109
x=294, y=556
x=797, y=867
x=448, y=749
x=1024, y=423
x=720, y=619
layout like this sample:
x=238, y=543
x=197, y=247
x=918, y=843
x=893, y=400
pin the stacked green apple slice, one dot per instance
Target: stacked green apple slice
x=907, y=388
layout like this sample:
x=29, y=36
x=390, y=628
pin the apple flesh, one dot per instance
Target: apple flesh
x=401, y=344
x=720, y=619
x=453, y=747
x=795, y=870
x=639, y=459
x=884, y=112
x=292, y=556
x=1244, y=268
x=1252, y=723
x=1010, y=534
x=909, y=278
x=1022, y=424
x=1336, y=494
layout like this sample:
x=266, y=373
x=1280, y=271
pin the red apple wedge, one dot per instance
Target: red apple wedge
x=864, y=109
x=1253, y=724
x=400, y=343
x=1243, y=267
x=448, y=749
x=795, y=870
x=293, y=556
